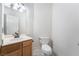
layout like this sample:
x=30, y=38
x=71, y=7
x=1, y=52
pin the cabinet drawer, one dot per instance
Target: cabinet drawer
x=10, y=48
x=15, y=53
x=26, y=43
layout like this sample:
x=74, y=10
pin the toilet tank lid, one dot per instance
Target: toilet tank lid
x=44, y=37
x=44, y=40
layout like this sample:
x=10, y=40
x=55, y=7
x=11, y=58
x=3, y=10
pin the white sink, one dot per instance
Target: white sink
x=11, y=39
x=7, y=39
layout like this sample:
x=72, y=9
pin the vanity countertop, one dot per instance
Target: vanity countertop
x=8, y=41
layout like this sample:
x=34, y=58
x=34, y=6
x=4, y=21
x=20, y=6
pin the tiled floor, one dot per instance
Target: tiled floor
x=36, y=49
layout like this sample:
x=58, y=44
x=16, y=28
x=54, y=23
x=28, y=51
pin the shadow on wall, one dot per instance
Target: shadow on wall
x=51, y=44
x=54, y=54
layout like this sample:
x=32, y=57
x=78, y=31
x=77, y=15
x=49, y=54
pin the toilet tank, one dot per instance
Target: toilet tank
x=44, y=40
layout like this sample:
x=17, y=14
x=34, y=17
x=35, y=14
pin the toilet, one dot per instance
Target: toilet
x=46, y=49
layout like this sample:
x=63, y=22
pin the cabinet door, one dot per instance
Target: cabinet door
x=0, y=51
x=27, y=51
x=15, y=53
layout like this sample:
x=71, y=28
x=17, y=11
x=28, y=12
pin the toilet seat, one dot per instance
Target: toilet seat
x=46, y=49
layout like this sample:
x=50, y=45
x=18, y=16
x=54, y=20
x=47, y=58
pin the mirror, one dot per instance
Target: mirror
x=18, y=20
x=11, y=24
x=14, y=19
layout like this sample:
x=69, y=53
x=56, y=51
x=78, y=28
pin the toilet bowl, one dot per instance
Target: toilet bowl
x=46, y=49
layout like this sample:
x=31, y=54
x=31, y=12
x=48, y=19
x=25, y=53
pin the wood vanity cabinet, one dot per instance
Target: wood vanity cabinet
x=0, y=50
x=17, y=49
x=12, y=50
x=27, y=48
x=14, y=53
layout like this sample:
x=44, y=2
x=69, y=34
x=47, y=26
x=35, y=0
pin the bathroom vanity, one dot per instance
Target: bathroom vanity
x=14, y=42
x=17, y=47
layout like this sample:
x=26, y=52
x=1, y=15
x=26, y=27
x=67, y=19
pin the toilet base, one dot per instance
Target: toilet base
x=46, y=53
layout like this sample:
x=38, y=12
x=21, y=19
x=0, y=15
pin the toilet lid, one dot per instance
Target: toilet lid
x=46, y=47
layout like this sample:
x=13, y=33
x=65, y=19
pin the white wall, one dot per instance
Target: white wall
x=30, y=19
x=0, y=23
x=65, y=28
x=42, y=20
x=23, y=25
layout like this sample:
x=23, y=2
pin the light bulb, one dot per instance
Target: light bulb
x=15, y=6
x=21, y=10
x=23, y=7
